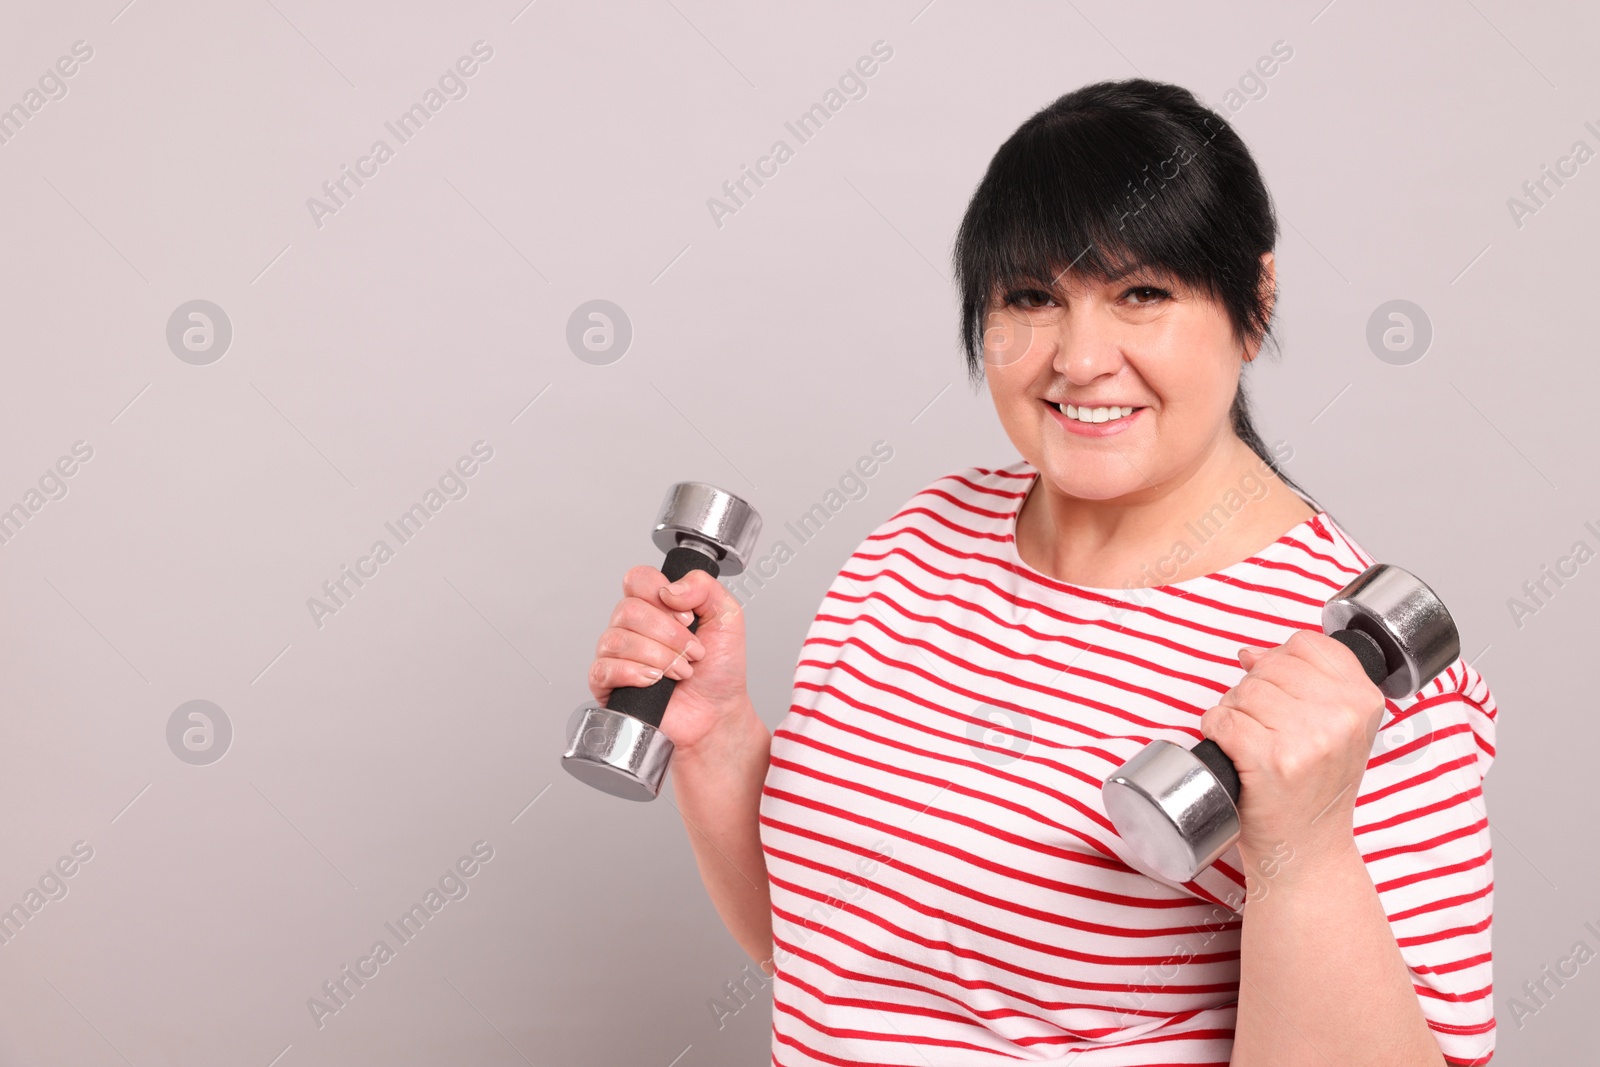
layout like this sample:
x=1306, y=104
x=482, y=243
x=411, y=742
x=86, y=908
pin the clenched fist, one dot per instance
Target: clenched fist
x=649, y=634
x=1299, y=728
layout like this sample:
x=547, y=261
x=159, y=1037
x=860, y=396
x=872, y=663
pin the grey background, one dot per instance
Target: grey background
x=767, y=355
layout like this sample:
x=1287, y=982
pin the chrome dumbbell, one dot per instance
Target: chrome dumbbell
x=1176, y=808
x=619, y=747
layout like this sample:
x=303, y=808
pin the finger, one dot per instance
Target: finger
x=643, y=582
x=619, y=643
x=1329, y=657
x=607, y=675
x=657, y=624
x=1260, y=699
x=1250, y=655
x=1239, y=736
x=1316, y=667
x=1297, y=675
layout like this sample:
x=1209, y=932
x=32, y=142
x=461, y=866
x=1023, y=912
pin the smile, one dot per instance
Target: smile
x=1094, y=421
x=1095, y=414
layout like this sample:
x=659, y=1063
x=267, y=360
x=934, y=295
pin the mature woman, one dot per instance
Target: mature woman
x=919, y=853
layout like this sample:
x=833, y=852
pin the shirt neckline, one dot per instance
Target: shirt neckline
x=1015, y=561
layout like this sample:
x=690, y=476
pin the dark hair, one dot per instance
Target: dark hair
x=1113, y=175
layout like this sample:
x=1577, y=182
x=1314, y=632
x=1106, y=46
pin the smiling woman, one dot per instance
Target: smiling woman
x=1000, y=645
x=1009, y=924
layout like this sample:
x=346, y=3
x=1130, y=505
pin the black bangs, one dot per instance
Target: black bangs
x=1109, y=178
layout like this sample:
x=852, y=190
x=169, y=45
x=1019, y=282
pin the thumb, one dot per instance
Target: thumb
x=705, y=596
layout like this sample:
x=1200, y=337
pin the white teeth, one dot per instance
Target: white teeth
x=1094, y=414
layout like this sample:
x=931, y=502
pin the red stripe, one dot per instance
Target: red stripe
x=994, y=964
x=1013, y=873
x=1322, y=557
x=1031, y=608
x=1443, y=804
x=1009, y=494
x=1105, y=861
x=787, y=1009
x=1060, y=1035
x=1083, y=592
x=998, y=772
x=1430, y=843
x=1456, y=965
x=1036, y=914
x=968, y=507
x=1265, y=590
x=1453, y=998
x=948, y=978
x=1444, y=935
x=974, y=695
x=868, y=915
x=1411, y=783
x=973, y=608
x=1437, y=872
x=779, y=1004
x=1001, y=674
x=1027, y=472
x=1127, y=610
x=858, y=978
x=1442, y=904
x=871, y=619
x=995, y=702
x=1310, y=576
x=1416, y=743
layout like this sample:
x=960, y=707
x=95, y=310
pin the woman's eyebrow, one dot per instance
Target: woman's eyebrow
x=1148, y=270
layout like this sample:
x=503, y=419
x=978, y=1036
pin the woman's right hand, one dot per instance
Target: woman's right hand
x=649, y=633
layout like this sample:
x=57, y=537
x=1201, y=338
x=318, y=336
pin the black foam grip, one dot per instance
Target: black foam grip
x=649, y=703
x=1209, y=753
x=1367, y=650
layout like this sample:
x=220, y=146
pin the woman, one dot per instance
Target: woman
x=919, y=854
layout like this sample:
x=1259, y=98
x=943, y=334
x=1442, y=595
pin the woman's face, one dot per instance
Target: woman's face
x=1144, y=342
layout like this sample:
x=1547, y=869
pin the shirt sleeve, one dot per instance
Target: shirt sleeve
x=1423, y=829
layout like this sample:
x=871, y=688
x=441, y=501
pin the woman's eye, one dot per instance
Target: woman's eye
x=1149, y=290
x=1029, y=298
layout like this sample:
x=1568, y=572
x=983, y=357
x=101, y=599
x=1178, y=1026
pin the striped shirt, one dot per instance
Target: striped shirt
x=946, y=887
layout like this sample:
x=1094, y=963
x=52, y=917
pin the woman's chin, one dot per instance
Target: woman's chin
x=1089, y=477
x=1080, y=488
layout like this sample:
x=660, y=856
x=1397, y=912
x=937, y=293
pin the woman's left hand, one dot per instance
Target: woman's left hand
x=1299, y=728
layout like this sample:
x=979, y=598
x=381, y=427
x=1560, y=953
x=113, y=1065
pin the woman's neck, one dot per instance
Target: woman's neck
x=1229, y=508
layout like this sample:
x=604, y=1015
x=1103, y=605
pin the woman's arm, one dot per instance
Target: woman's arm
x=717, y=785
x=1321, y=980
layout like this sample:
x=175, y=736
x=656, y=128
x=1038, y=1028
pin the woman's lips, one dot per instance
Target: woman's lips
x=1109, y=428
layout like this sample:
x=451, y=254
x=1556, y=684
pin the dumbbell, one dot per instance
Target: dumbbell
x=1176, y=808
x=619, y=747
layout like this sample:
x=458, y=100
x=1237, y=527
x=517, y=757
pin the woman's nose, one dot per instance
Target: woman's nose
x=1086, y=347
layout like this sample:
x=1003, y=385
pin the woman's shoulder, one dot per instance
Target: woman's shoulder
x=975, y=502
x=1345, y=559
x=992, y=488
x=1325, y=546
x=959, y=517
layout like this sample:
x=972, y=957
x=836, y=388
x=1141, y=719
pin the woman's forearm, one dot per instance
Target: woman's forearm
x=717, y=786
x=1321, y=978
